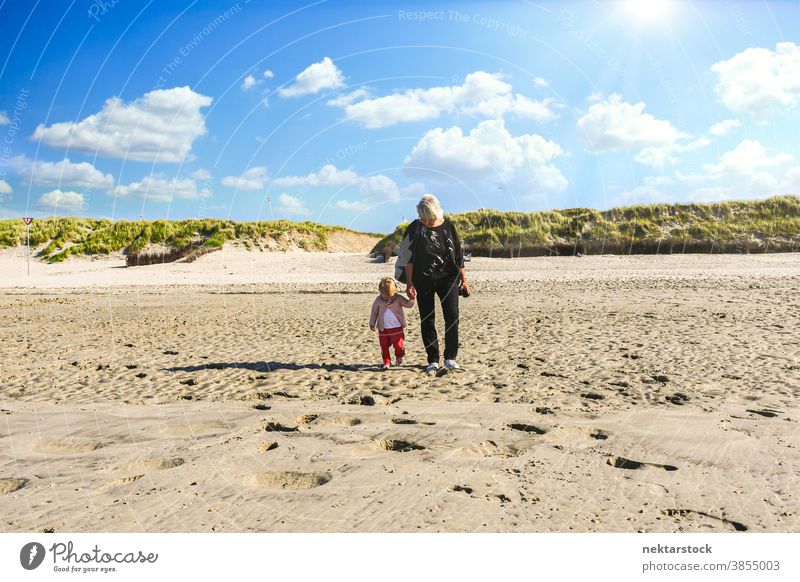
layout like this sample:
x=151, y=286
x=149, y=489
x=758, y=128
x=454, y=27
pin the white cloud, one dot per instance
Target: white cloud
x=489, y=150
x=378, y=185
x=158, y=188
x=724, y=127
x=268, y=74
x=647, y=194
x=252, y=179
x=759, y=81
x=658, y=180
x=747, y=171
x=747, y=158
x=315, y=78
x=355, y=206
x=692, y=178
x=346, y=99
x=761, y=184
x=292, y=205
x=201, y=174
x=4, y=120
x=67, y=201
x=541, y=82
x=658, y=156
x=249, y=82
x=5, y=187
x=595, y=96
x=730, y=179
x=518, y=105
x=481, y=94
x=63, y=173
x=614, y=125
x=158, y=127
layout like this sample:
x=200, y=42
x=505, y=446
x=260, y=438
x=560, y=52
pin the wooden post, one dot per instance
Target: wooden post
x=27, y=220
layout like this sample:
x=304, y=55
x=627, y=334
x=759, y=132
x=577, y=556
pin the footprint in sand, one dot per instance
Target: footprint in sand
x=271, y=426
x=267, y=446
x=194, y=428
x=307, y=418
x=157, y=464
x=765, y=412
x=577, y=436
x=524, y=427
x=677, y=398
x=460, y=488
x=397, y=445
x=592, y=396
x=623, y=463
x=119, y=482
x=288, y=480
x=338, y=420
x=492, y=449
x=68, y=446
x=685, y=513
x=10, y=485
x=359, y=400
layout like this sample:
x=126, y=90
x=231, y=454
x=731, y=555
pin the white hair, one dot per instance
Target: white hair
x=429, y=208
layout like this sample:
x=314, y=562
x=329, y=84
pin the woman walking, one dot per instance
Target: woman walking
x=436, y=267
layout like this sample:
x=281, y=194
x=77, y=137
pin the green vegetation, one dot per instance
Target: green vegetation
x=65, y=237
x=744, y=226
x=771, y=225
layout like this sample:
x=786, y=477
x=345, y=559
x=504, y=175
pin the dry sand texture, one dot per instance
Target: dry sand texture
x=598, y=394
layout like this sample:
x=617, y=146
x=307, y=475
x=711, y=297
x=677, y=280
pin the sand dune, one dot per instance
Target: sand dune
x=598, y=394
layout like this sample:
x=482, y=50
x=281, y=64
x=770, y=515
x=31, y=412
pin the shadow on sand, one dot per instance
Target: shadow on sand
x=274, y=366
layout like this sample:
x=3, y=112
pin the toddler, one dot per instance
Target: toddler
x=387, y=315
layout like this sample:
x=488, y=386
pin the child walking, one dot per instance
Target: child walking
x=387, y=315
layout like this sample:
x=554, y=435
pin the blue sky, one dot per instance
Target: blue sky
x=345, y=112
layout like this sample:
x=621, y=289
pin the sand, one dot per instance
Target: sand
x=241, y=393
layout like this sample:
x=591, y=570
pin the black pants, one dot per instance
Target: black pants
x=447, y=290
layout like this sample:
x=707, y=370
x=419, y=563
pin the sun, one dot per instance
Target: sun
x=648, y=10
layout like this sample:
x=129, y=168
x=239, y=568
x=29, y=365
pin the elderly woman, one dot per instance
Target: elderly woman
x=436, y=267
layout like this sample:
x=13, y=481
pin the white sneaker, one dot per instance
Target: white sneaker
x=451, y=365
x=432, y=367
x=384, y=366
x=399, y=362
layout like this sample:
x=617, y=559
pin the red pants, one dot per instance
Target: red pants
x=392, y=336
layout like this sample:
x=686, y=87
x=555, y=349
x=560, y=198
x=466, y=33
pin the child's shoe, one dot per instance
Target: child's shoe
x=385, y=367
x=399, y=362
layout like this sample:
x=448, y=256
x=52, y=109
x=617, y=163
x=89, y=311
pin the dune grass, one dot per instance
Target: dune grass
x=772, y=224
x=66, y=236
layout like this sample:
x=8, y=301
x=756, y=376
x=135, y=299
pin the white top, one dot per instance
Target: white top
x=390, y=319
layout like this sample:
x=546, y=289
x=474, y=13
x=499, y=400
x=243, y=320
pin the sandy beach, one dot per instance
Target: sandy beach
x=241, y=393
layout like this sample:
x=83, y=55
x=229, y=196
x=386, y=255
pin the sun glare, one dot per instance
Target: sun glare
x=648, y=10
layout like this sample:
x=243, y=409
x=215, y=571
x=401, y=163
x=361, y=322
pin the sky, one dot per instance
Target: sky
x=346, y=112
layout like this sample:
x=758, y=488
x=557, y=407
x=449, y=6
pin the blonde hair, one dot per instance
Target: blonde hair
x=387, y=286
x=429, y=208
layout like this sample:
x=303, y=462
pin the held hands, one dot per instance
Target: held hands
x=412, y=291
